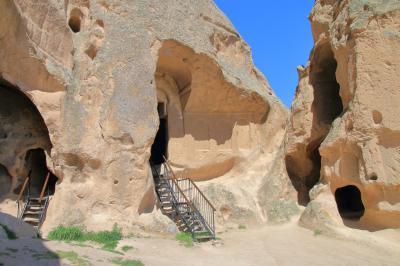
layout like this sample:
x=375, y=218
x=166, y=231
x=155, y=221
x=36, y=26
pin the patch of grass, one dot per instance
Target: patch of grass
x=109, y=239
x=126, y=248
x=317, y=232
x=185, y=239
x=45, y=255
x=13, y=250
x=202, y=234
x=242, y=226
x=119, y=261
x=4, y=254
x=10, y=234
x=72, y=233
x=74, y=258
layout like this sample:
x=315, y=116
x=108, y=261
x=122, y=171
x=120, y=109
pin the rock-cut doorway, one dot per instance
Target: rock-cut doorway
x=159, y=149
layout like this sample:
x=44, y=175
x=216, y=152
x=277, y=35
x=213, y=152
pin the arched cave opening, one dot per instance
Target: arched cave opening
x=75, y=20
x=35, y=162
x=160, y=146
x=349, y=202
x=327, y=104
x=326, y=107
x=24, y=138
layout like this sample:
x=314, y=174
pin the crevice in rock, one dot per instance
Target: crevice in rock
x=304, y=166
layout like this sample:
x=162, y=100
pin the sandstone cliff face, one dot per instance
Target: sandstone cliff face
x=99, y=71
x=342, y=147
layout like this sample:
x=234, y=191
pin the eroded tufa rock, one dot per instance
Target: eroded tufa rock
x=344, y=131
x=99, y=73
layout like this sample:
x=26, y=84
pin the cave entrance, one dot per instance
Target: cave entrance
x=304, y=166
x=36, y=164
x=327, y=104
x=23, y=134
x=349, y=202
x=159, y=149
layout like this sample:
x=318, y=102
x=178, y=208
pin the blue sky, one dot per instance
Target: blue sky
x=279, y=35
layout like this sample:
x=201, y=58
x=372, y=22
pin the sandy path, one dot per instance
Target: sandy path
x=280, y=245
x=273, y=245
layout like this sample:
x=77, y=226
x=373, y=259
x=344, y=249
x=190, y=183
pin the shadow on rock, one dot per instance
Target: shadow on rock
x=20, y=245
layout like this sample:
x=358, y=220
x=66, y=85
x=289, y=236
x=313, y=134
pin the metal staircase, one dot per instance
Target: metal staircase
x=183, y=202
x=33, y=210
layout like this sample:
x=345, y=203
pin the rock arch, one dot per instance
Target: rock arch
x=25, y=138
x=204, y=112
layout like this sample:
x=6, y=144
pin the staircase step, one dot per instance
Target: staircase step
x=32, y=222
x=203, y=237
x=31, y=215
x=32, y=212
x=186, y=219
x=38, y=199
x=163, y=185
x=165, y=198
x=34, y=208
x=34, y=205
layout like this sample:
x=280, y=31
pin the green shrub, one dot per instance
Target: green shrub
x=119, y=261
x=185, y=239
x=72, y=233
x=126, y=248
x=317, y=232
x=10, y=234
x=109, y=239
x=242, y=226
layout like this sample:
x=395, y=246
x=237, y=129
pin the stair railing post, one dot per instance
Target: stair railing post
x=44, y=187
x=201, y=207
x=23, y=188
x=21, y=194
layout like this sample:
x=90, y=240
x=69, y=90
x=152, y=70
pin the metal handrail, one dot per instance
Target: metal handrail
x=27, y=198
x=44, y=210
x=175, y=201
x=27, y=183
x=205, y=210
x=23, y=186
x=44, y=187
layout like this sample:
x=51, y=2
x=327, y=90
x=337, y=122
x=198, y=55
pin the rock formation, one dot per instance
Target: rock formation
x=93, y=80
x=90, y=90
x=342, y=147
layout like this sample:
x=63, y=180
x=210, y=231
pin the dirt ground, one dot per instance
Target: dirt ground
x=286, y=244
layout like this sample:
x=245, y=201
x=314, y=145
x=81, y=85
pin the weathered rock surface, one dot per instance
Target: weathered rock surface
x=97, y=71
x=344, y=130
